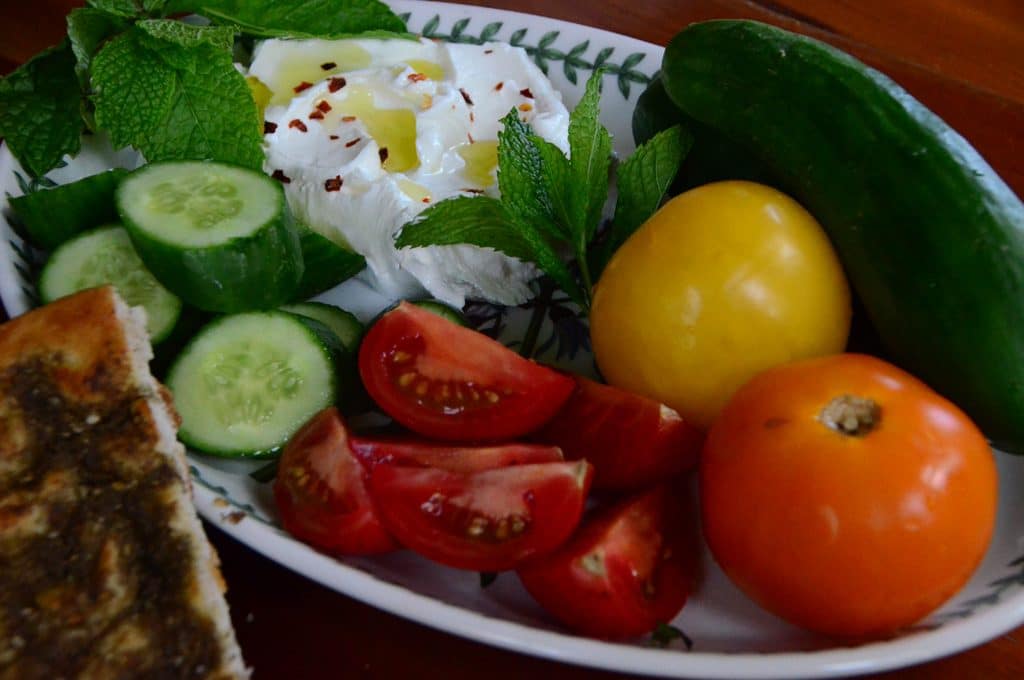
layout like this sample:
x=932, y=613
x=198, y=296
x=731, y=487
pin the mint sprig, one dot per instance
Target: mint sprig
x=40, y=115
x=196, y=105
x=552, y=204
x=303, y=18
x=165, y=87
x=128, y=8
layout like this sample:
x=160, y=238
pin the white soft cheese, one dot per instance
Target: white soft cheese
x=436, y=109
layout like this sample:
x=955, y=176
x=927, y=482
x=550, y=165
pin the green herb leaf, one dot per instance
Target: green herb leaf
x=188, y=35
x=172, y=102
x=558, y=183
x=88, y=29
x=127, y=8
x=324, y=18
x=644, y=178
x=40, y=110
x=590, y=150
x=521, y=177
x=480, y=221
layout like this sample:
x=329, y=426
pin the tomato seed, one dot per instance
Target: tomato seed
x=421, y=388
x=400, y=357
x=406, y=379
x=491, y=396
x=477, y=527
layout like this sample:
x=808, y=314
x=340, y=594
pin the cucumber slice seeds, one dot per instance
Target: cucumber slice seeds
x=247, y=382
x=218, y=236
x=200, y=204
x=106, y=256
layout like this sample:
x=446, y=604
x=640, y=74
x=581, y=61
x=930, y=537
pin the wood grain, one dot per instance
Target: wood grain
x=962, y=59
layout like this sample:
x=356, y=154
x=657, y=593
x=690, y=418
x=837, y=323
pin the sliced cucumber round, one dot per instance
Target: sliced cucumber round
x=106, y=256
x=247, y=382
x=343, y=324
x=219, y=236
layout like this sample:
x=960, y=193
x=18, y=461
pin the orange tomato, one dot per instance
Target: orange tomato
x=846, y=496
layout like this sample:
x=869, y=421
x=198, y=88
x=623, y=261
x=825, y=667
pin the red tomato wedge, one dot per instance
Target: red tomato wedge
x=626, y=570
x=321, y=493
x=455, y=458
x=489, y=520
x=452, y=383
x=632, y=441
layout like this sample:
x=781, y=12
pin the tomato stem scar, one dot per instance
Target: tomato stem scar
x=851, y=415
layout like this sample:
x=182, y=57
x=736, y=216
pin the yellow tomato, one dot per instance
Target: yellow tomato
x=725, y=281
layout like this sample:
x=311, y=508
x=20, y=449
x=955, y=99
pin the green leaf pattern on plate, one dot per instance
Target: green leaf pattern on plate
x=545, y=52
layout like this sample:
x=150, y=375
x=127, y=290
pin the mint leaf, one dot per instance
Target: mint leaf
x=521, y=177
x=172, y=102
x=557, y=181
x=590, y=149
x=127, y=8
x=324, y=18
x=521, y=180
x=40, y=110
x=480, y=221
x=88, y=29
x=187, y=35
x=643, y=180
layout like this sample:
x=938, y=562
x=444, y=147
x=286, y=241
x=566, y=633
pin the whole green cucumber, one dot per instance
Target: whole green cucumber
x=931, y=238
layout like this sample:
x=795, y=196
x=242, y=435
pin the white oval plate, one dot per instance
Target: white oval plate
x=732, y=637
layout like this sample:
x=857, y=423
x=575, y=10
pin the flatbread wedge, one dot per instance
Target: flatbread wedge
x=105, y=572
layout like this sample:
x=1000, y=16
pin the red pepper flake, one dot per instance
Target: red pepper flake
x=348, y=119
x=470, y=138
x=526, y=106
x=488, y=51
x=426, y=199
x=335, y=137
x=316, y=115
x=383, y=153
x=302, y=86
x=334, y=183
x=336, y=84
x=526, y=93
x=497, y=88
x=468, y=190
x=323, y=106
x=269, y=128
x=416, y=77
x=353, y=142
x=328, y=65
x=296, y=123
x=465, y=96
x=281, y=177
x=472, y=118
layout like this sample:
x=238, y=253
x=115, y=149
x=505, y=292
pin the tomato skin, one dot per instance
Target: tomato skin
x=847, y=535
x=321, y=493
x=488, y=520
x=626, y=570
x=632, y=441
x=455, y=458
x=452, y=383
x=724, y=281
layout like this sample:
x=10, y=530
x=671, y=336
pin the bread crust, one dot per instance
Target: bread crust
x=105, y=571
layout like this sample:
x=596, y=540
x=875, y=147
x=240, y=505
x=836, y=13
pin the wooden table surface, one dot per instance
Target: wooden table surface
x=964, y=59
